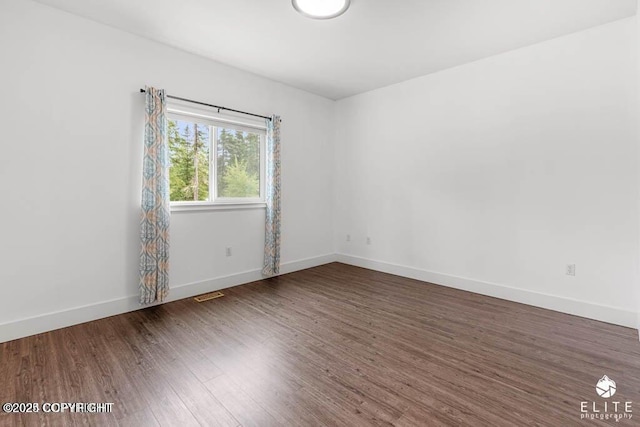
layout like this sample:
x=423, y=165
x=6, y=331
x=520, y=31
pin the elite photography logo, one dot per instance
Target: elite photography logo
x=606, y=387
x=604, y=408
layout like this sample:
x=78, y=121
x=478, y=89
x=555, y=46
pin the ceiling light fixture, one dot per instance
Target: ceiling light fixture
x=321, y=9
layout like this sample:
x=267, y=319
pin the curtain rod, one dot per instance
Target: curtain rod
x=213, y=106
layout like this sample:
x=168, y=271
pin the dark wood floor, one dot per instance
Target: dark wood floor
x=334, y=345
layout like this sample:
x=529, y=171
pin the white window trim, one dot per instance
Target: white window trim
x=210, y=206
x=189, y=113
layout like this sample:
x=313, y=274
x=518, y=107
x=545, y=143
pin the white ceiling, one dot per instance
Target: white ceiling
x=376, y=43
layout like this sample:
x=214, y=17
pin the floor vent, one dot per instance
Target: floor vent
x=209, y=296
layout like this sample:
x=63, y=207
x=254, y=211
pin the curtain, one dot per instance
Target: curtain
x=272, y=188
x=154, y=233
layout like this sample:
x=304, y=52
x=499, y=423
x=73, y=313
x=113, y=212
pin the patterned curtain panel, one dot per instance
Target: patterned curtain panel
x=272, y=225
x=154, y=257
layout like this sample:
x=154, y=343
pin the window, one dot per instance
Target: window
x=214, y=161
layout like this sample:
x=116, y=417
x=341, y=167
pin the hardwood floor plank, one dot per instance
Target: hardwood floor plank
x=144, y=417
x=204, y=407
x=242, y=406
x=165, y=404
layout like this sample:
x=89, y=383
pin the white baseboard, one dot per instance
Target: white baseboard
x=73, y=316
x=60, y=319
x=586, y=309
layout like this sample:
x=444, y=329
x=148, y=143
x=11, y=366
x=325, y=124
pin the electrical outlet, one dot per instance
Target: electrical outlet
x=348, y=237
x=368, y=240
x=228, y=251
x=571, y=269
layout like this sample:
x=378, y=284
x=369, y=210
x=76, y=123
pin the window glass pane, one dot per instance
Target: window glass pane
x=238, y=163
x=189, y=160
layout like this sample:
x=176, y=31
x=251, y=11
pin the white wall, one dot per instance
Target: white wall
x=491, y=176
x=70, y=170
x=494, y=175
x=637, y=52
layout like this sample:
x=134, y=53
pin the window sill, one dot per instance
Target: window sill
x=202, y=206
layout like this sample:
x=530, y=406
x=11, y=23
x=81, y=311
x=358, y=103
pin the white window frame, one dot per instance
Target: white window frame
x=185, y=112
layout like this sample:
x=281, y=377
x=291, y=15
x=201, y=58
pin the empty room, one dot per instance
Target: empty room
x=320, y=213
